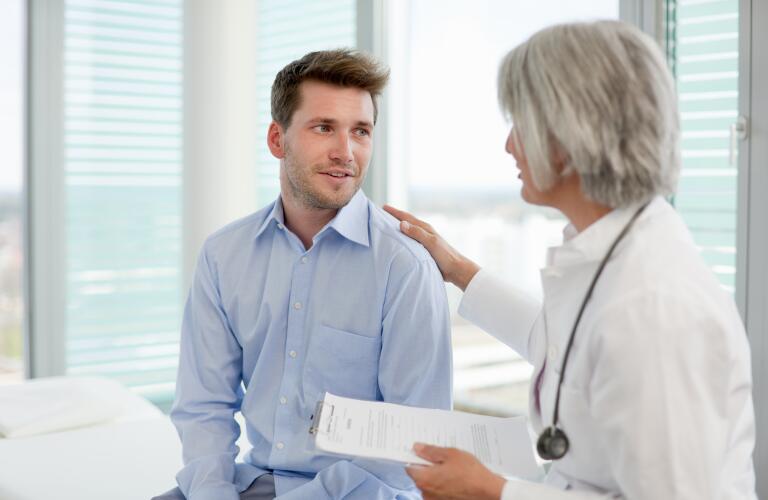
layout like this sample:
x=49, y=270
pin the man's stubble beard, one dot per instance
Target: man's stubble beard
x=300, y=186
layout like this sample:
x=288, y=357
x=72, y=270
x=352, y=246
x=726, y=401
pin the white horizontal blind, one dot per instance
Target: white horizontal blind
x=288, y=29
x=703, y=46
x=123, y=147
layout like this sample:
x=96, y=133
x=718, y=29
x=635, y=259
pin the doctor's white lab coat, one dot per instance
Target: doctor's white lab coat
x=656, y=400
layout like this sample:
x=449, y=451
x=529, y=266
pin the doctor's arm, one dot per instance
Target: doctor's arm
x=657, y=393
x=207, y=392
x=495, y=306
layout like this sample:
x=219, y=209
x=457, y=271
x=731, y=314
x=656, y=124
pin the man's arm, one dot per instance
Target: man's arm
x=414, y=369
x=207, y=392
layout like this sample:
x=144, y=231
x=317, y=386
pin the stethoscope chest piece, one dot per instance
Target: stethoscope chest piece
x=552, y=444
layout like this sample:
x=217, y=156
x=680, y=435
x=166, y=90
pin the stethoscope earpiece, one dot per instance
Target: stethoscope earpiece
x=552, y=444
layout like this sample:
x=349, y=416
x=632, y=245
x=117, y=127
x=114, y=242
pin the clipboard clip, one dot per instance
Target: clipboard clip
x=313, y=429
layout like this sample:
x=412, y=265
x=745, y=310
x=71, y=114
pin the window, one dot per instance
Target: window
x=703, y=51
x=454, y=169
x=12, y=36
x=286, y=31
x=122, y=163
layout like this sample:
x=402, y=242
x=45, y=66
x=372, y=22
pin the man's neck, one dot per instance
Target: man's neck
x=305, y=222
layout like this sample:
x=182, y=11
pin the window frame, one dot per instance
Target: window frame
x=752, y=262
x=44, y=231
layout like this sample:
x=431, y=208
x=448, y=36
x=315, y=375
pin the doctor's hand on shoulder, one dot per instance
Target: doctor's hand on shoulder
x=455, y=267
x=454, y=475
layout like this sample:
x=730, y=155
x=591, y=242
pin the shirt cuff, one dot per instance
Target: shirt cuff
x=524, y=490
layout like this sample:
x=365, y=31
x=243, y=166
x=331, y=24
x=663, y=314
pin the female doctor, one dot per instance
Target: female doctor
x=642, y=385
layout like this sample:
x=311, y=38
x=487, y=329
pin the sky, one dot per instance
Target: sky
x=457, y=133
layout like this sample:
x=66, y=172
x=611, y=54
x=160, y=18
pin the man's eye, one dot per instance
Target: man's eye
x=362, y=132
x=323, y=128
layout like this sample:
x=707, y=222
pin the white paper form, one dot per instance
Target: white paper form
x=386, y=431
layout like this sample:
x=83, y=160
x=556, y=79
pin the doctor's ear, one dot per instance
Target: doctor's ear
x=276, y=140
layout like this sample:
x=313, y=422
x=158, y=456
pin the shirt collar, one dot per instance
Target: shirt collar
x=351, y=222
x=274, y=217
x=593, y=242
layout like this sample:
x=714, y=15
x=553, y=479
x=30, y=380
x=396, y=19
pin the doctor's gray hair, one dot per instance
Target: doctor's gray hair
x=601, y=94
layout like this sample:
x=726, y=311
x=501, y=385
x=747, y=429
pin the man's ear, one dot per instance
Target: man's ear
x=276, y=140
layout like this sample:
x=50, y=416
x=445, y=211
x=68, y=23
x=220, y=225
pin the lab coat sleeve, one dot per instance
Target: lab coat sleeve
x=502, y=310
x=524, y=490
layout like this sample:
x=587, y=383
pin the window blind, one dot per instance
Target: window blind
x=288, y=29
x=703, y=49
x=122, y=161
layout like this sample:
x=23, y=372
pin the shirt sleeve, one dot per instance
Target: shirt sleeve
x=500, y=309
x=415, y=369
x=208, y=392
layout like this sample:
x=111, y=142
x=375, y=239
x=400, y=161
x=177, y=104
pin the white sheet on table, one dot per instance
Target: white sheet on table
x=57, y=403
x=120, y=461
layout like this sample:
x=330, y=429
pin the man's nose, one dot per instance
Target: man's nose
x=342, y=150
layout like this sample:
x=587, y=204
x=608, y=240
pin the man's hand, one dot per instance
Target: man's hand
x=454, y=475
x=455, y=268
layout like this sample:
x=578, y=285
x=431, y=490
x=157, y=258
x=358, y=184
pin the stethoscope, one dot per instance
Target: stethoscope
x=553, y=443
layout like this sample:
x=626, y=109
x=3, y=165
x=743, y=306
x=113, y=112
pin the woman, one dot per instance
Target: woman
x=655, y=402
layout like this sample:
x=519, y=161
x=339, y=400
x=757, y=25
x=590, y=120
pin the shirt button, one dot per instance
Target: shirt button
x=283, y=400
x=304, y=260
x=280, y=445
x=552, y=352
x=297, y=305
x=280, y=226
x=292, y=354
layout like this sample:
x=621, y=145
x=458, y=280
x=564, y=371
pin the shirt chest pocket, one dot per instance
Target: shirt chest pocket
x=343, y=363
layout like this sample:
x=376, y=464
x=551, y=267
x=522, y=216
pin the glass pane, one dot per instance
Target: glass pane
x=286, y=31
x=702, y=47
x=12, y=48
x=454, y=172
x=123, y=149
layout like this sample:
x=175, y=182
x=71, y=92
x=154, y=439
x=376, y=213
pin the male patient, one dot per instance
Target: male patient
x=318, y=291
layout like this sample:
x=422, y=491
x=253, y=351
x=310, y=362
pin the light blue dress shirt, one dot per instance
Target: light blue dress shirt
x=270, y=326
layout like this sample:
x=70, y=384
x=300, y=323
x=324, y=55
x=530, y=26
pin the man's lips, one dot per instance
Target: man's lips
x=338, y=173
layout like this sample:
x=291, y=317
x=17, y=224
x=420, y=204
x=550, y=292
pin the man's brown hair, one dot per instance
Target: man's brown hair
x=342, y=67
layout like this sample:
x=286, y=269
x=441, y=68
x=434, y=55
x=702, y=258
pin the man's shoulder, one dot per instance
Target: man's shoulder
x=386, y=234
x=238, y=231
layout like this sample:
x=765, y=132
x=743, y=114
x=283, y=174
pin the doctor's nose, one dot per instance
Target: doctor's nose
x=342, y=150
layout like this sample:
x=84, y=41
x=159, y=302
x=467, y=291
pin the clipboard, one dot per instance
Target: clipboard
x=317, y=416
x=386, y=432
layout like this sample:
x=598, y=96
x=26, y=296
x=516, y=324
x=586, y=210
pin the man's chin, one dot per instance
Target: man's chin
x=332, y=202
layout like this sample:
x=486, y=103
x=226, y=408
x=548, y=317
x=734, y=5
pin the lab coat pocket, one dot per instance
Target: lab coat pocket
x=343, y=363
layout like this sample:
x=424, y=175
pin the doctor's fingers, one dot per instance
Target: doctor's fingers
x=426, y=478
x=404, y=216
x=434, y=454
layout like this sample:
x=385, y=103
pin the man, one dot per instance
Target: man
x=318, y=291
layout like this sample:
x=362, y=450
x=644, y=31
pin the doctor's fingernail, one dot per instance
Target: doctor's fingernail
x=405, y=226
